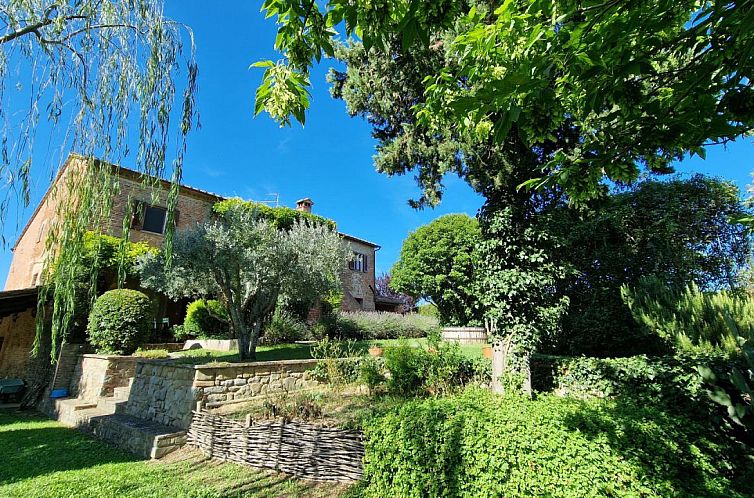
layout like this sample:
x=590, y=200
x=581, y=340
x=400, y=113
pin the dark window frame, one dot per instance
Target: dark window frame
x=359, y=262
x=152, y=209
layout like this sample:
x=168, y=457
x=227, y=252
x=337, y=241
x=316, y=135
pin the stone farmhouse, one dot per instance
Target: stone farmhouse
x=18, y=300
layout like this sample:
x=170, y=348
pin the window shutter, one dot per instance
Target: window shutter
x=364, y=266
x=137, y=212
x=176, y=215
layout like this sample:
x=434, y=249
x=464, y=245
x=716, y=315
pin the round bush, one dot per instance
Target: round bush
x=206, y=319
x=119, y=321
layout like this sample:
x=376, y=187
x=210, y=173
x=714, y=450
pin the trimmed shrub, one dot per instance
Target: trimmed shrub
x=120, y=320
x=418, y=371
x=478, y=444
x=154, y=354
x=383, y=325
x=206, y=319
x=339, y=361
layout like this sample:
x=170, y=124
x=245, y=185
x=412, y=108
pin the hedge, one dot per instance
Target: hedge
x=672, y=381
x=478, y=445
x=383, y=325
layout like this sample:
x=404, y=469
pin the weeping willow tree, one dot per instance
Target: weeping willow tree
x=101, y=74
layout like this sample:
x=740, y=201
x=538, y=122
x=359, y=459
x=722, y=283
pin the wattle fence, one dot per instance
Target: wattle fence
x=303, y=450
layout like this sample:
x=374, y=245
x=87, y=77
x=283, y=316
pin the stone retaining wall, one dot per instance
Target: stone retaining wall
x=216, y=385
x=98, y=375
x=165, y=392
x=162, y=392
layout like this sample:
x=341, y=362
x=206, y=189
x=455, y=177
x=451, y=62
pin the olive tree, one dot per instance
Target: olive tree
x=248, y=263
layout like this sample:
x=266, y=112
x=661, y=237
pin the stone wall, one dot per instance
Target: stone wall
x=212, y=344
x=17, y=331
x=165, y=392
x=98, y=375
x=216, y=385
x=162, y=392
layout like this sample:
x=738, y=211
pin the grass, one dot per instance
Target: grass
x=301, y=351
x=41, y=458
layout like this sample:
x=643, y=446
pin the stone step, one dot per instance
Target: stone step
x=122, y=392
x=111, y=405
x=138, y=436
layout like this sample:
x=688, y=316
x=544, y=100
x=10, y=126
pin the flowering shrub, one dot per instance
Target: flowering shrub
x=383, y=325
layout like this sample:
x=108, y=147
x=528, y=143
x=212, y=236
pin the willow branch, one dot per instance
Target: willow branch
x=33, y=28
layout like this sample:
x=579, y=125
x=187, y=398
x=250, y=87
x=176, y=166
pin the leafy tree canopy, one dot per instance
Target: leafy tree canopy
x=596, y=88
x=437, y=264
x=678, y=231
x=248, y=263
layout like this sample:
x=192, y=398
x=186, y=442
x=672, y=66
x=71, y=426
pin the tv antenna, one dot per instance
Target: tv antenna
x=272, y=199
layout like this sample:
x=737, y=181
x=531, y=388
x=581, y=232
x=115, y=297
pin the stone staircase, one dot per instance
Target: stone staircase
x=106, y=417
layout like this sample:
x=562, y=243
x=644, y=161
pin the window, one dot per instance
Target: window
x=154, y=219
x=358, y=262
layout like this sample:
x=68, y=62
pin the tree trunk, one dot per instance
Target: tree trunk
x=500, y=352
x=254, y=340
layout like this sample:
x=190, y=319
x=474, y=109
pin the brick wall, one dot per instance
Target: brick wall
x=28, y=255
x=18, y=332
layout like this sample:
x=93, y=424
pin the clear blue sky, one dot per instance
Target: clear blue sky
x=329, y=160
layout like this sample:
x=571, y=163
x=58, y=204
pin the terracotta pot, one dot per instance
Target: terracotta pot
x=375, y=351
x=487, y=351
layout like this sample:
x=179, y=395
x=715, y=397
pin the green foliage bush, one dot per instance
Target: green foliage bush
x=339, y=361
x=206, y=319
x=690, y=319
x=370, y=373
x=415, y=371
x=282, y=218
x=478, y=444
x=437, y=263
x=672, y=382
x=284, y=328
x=383, y=325
x=678, y=230
x=734, y=389
x=108, y=256
x=152, y=353
x=120, y=320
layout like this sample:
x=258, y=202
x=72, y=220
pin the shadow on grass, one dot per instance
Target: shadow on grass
x=31, y=446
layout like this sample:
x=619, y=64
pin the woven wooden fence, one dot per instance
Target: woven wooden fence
x=305, y=451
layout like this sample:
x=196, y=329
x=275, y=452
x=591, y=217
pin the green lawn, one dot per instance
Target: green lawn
x=302, y=351
x=41, y=458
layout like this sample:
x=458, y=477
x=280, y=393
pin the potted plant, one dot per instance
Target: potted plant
x=375, y=350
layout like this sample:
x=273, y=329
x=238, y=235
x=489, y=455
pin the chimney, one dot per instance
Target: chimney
x=304, y=205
